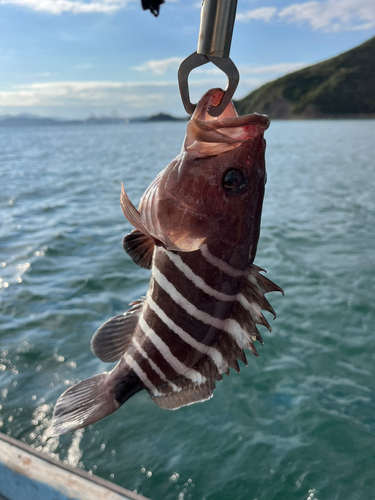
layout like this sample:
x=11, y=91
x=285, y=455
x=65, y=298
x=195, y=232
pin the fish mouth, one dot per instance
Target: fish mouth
x=209, y=136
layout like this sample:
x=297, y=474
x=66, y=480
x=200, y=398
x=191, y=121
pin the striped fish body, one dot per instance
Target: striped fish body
x=183, y=317
x=197, y=229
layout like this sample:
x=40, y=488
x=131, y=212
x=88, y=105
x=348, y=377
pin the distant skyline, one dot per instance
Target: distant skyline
x=81, y=58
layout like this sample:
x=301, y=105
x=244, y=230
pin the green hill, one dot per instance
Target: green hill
x=341, y=87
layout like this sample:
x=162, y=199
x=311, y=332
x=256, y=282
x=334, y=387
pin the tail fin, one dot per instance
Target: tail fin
x=83, y=404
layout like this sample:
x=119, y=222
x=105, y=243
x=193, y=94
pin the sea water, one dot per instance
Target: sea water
x=299, y=422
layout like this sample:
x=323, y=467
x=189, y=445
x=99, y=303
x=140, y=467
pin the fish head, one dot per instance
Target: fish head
x=213, y=190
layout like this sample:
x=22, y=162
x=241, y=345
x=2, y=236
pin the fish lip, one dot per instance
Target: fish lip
x=209, y=136
x=229, y=117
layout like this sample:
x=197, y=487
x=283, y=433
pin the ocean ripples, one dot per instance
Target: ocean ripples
x=297, y=423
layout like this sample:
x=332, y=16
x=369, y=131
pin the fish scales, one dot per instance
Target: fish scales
x=197, y=228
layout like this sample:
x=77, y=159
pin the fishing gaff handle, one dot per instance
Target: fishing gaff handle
x=214, y=41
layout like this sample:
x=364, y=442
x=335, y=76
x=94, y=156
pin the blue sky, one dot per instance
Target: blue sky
x=78, y=58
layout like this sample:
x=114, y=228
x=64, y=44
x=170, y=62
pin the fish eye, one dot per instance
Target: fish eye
x=234, y=181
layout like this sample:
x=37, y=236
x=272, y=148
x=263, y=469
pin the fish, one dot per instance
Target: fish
x=197, y=228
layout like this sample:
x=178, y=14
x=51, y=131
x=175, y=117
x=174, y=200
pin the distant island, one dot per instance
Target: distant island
x=32, y=121
x=341, y=87
x=162, y=117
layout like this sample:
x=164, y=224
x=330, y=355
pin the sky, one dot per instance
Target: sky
x=82, y=58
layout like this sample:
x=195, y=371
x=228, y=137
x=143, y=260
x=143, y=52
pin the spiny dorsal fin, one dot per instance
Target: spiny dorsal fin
x=254, y=289
x=247, y=313
x=231, y=351
x=111, y=340
x=262, y=282
x=140, y=248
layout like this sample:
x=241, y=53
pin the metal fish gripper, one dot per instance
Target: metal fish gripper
x=214, y=41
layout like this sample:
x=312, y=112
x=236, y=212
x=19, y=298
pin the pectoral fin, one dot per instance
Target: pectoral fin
x=132, y=214
x=134, y=217
x=140, y=248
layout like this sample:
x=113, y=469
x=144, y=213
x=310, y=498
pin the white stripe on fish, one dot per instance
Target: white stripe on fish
x=141, y=374
x=197, y=280
x=229, y=325
x=154, y=366
x=223, y=266
x=214, y=354
x=164, y=350
x=253, y=307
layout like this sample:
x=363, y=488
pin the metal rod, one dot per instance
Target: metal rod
x=216, y=27
x=215, y=38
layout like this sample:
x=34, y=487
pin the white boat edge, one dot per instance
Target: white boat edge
x=27, y=474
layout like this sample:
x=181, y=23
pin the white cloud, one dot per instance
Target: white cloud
x=262, y=14
x=83, y=93
x=332, y=15
x=159, y=66
x=57, y=7
x=71, y=98
x=326, y=15
x=279, y=68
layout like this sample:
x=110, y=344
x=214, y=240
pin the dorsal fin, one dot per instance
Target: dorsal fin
x=255, y=288
x=246, y=314
x=231, y=351
x=263, y=284
x=112, y=340
x=140, y=248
